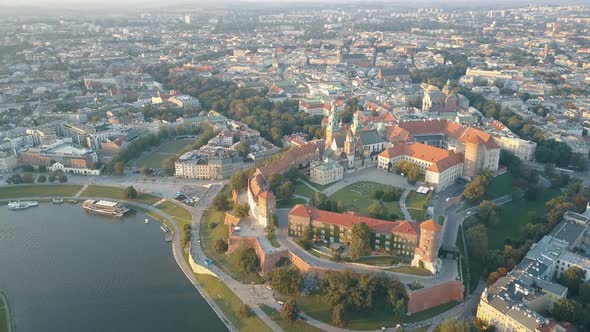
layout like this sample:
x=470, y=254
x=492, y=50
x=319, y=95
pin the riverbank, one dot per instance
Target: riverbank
x=6, y=322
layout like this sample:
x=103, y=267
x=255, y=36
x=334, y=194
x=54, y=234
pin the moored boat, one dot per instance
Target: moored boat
x=18, y=205
x=57, y=201
x=105, y=207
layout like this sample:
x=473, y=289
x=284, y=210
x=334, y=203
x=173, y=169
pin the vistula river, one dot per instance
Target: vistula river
x=63, y=269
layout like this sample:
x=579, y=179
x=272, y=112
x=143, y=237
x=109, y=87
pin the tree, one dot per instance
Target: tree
x=243, y=149
x=572, y=278
x=338, y=316
x=453, y=325
x=488, y=213
x=146, y=171
x=286, y=189
x=242, y=210
x=286, y=280
x=119, y=167
x=41, y=179
x=494, y=276
x=476, y=189
x=62, y=178
x=360, y=241
x=28, y=177
x=376, y=210
x=289, y=311
x=130, y=192
x=476, y=238
x=565, y=310
x=410, y=170
x=220, y=202
x=51, y=178
x=239, y=181
x=220, y=246
x=246, y=260
x=244, y=311
x=42, y=169
x=319, y=200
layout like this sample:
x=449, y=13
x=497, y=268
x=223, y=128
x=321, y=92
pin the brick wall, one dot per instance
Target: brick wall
x=434, y=296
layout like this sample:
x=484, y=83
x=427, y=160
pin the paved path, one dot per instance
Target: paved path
x=84, y=187
x=370, y=174
x=402, y=205
x=4, y=307
x=159, y=202
x=253, y=295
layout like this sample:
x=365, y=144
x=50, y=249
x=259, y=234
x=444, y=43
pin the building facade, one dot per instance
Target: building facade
x=325, y=172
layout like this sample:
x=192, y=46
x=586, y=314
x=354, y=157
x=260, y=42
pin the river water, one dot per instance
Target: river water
x=65, y=270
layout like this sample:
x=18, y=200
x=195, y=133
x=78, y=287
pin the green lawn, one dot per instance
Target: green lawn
x=164, y=151
x=316, y=307
x=411, y=270
x=297, y=326
x=500, y=186
x=416, y=204
x=176, y=211
x=358, y=196
x=118, y=193
x=380, y=260
x=514, y=216
x=303, y=190
x=230, y=304
x=289, y=203
x=47, y=190
x=209, y=237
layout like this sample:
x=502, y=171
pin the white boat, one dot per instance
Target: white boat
x=57, y=201
x=105, y=207
x=146, y=221
x=18, y=205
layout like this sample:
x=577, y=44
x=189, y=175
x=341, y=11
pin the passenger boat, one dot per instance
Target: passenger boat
x=105, y=207
x=18, y=205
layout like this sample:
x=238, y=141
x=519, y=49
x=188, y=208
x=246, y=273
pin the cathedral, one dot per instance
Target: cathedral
x=351, y=145
x=438, y=101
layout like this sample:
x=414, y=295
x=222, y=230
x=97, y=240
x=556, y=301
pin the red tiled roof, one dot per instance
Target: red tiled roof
x=349, y=219
x=441, y=159
x=431, y=225
x=449, y=128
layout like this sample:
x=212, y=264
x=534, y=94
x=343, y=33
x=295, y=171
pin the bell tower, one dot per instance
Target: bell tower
x=332, y=127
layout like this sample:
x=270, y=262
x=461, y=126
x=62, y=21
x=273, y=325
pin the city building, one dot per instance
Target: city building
x=419, y=242
x=209, y=164
x=440, y=167
x=479, y=149
x=521, y=300
x=62, y=155
x=8, y=160
x=325, y=172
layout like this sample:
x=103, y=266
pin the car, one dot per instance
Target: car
x=469, y=212
x=208, y=261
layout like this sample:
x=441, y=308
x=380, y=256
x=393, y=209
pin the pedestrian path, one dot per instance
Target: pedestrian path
x=84, y=187
x=402, y=205
x=159, y=202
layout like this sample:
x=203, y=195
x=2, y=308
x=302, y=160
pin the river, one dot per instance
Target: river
x=63, y=269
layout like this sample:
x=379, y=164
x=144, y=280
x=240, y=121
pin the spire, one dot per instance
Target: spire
x=357, y=126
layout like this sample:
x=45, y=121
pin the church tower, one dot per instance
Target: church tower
x=447, y=88
x=357, y=126
x=332, y=127
x=350, y=147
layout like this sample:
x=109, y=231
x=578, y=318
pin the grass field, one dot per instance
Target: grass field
x=303, y=190
x=500, y=186
x=316, y=307
x=289, y=203
x=358, y=196
x=209, y=237
x=179, y=213
x=230, y=304
x=297, y=326
x=514, y=216
x=165, y=150
x=411, y=270
x=380, y=260
x=416, y=204
x=48, y=190
x=118, y=193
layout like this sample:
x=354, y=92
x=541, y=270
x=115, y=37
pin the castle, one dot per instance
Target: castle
x=353, y=145
x=438, y=101
x=402, y=238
